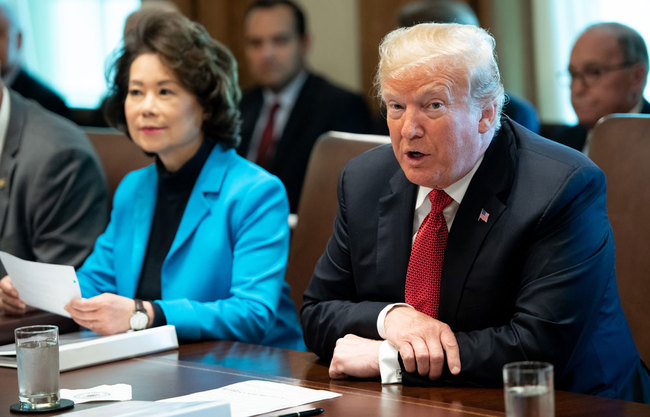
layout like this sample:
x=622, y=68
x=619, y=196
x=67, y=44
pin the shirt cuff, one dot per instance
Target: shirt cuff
x=159, y=318
x=389, y=368
x=382, y=317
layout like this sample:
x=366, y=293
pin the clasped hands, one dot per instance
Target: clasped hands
x=421, y=341
x=104, y=314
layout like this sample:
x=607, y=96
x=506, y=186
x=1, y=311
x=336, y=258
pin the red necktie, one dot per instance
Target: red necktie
x=266, y=149
x=427, y=255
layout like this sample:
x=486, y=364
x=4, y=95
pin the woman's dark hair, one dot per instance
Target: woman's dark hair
x=203, y=66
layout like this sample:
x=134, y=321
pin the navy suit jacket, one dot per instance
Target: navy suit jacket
x=575, y=136
x=320, y=107
x=534, y=282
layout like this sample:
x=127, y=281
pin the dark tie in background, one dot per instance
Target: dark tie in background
x=427, y=255
x=267, y=145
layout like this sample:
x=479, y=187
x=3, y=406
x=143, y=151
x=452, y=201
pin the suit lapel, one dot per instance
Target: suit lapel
x=198, y=207
x=293, y=130
x=10, y=152
x=250, y=111
x=394, y=232
x=487, y=191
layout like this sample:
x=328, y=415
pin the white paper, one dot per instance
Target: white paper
x=116, y=392
x=254, y=397
x=46, y=286
x=158, y=409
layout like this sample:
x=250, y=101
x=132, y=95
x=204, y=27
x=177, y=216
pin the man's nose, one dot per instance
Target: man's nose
x=412, y=127
x=268, y=50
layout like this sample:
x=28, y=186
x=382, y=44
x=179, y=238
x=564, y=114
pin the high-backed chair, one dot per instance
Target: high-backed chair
x=621, y=147
x=118, y=154
x=318, y=203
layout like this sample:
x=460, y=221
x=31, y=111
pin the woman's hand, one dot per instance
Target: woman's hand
x=104, y=314
x=9, y=301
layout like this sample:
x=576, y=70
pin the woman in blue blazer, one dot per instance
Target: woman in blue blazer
x=201, y=235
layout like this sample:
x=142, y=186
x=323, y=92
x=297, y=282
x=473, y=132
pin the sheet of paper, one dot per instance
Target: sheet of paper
x=116, y=392
x=254, y=397
x=155, y=408
x=46, y=286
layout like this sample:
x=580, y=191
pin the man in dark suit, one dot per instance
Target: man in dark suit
x=609, y=71
x=280, y=138
x=53, y=194
x=471, y=242
x=14, y=76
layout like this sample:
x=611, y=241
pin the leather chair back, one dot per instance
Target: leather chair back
x=319, y=203
x=621, y=147
x=119, y=155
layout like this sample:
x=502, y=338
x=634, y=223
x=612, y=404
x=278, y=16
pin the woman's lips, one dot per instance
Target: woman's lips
x=150, y=130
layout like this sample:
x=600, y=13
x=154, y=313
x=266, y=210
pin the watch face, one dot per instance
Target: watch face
x=139, y=320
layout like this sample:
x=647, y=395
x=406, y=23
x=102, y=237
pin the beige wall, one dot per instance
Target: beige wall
x=335, y=40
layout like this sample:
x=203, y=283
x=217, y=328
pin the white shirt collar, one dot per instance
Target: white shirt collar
x=287, y=97
x=456, y=190
x=5, y=109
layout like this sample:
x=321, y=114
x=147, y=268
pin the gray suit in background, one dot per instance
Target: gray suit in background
x=53, y=193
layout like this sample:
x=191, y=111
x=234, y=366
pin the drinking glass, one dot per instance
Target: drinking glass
x=528, y=389
x=37, y=356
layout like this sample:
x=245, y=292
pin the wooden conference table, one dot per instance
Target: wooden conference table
x=208, y=365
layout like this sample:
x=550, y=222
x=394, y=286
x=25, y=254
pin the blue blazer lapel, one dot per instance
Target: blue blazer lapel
x=394, y=233
x=198, y=207
x=487, y=191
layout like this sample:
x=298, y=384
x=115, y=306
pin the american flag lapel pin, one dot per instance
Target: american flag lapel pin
x=483, y=216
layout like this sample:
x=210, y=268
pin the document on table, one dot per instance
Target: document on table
x=46, y=286
x=254, y=397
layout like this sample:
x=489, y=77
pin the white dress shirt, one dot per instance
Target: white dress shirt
x=388, y=362
x=5, y=109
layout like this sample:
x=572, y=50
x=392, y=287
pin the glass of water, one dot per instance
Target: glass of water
x=528, y=389
x=37, y=356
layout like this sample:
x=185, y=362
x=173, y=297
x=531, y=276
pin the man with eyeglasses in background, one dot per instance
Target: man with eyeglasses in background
x=608, y=69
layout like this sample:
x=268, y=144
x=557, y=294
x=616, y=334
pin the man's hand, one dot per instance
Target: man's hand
x=422, y=342
x=9, y=301
x=104, y=314
x=355, y=356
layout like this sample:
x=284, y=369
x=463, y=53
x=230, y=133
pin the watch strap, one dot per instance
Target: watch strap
x=139, y=306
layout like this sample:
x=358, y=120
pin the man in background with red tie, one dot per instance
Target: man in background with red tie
x=290, y=107
x=470, y=242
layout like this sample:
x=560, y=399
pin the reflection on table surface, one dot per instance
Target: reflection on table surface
x=208, y=365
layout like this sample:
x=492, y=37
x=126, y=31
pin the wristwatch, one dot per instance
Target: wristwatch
x=139, y=320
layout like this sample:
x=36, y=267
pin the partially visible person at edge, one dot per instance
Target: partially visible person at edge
x=200, y=238
x=14, y=74
x=469, y=243
x=609, y=71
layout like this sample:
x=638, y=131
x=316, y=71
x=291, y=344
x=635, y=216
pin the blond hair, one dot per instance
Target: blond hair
x=451, y=46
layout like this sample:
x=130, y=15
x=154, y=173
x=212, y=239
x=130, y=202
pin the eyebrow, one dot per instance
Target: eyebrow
x=426, y=91
x=159, y=83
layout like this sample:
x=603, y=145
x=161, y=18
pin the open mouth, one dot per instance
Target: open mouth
x=415, y=154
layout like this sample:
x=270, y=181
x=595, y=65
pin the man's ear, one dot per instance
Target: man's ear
x=640, y=75
x=488, y=116
x=305, y=44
